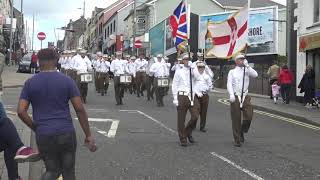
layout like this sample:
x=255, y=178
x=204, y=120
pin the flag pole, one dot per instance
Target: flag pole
x=188, y=48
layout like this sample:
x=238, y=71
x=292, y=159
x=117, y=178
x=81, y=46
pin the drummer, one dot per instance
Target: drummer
x=96, y=64
x=159, y=69
x=131, y=70
x=82, y=65
x=118, y=69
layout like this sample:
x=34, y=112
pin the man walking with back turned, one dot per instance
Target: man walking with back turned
x=49, y=93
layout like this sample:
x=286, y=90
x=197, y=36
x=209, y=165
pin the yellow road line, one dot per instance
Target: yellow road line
x=310, y=126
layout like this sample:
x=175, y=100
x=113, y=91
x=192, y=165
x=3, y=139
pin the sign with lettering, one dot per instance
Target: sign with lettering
x=262, y=32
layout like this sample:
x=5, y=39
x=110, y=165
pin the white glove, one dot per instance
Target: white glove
x=232, y=98
x=199, y=94
x=175, y=102
x=245, y=63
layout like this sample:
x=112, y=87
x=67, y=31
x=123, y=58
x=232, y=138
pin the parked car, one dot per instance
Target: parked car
x=25, y=64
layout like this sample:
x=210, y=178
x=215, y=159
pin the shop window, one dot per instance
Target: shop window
x=316, y=11
x=114, y=25
x=108, y=31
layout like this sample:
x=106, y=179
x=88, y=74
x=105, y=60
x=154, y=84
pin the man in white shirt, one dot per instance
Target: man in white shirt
x=103, y=80
x=202, y=86
x=82, y=65
x=96, y=63
x=177, y=65
x=184, y=99
x=141, y=76
x=200, y=57
x=149, y=78
x=131, y=70
x=118, y=68
x=238, y=84
x=159, y=70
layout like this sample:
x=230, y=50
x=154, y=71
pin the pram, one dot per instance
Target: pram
x=316, y=99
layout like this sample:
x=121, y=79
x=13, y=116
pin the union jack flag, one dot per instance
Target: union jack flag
x=179, y=26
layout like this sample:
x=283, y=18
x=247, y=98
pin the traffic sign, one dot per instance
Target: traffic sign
x=41, y=36
x=138, y=44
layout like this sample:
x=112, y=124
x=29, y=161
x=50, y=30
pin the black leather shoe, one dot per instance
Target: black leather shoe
x=237, y=145
x=191, y=140
x=203, y=129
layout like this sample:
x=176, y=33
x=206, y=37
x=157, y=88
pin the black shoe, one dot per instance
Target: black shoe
x=203, y=129
x=118, y=104
x=191, y=140
x=142, y=94
x=242, y=138
x=183, y=143
x=237, y=145
x=102, y=94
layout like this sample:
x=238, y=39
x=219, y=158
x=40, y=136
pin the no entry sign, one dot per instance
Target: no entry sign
x=138, y=44
x=41, y=36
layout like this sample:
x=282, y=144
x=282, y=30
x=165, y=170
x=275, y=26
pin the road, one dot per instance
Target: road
x=139, y=141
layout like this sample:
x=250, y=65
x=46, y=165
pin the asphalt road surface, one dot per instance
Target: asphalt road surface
x=139, y=141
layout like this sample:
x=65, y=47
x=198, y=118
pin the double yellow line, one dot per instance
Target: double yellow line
x=310, y=126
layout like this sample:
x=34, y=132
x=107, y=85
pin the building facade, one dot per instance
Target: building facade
x=308, y=34
x=73, y=32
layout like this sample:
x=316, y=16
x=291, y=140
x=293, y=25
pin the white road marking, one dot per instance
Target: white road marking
x=310, y=126
x=253, y=175
x=151, y=118
x=113, y=129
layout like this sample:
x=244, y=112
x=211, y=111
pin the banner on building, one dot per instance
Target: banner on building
x=262, y=31
x=156, y=37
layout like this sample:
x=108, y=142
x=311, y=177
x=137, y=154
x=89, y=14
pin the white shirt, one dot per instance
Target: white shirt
x=235, y=80
x=104, y=66
x=150, y=62
x=159, y=69
x=141, y=65
x=118, y=67
x=181, y=82
x=68, y=63
x=131, y=68
x=202, y=82
x=176, y=67
x=82, y=65
x=207, y=69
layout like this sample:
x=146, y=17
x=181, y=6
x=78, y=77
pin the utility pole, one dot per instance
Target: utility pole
x=32, y=32
x=134, y=26
x=84, y=8
x=11, y=31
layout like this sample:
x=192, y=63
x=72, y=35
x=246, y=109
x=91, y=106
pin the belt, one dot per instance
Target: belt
x=141, y=71
x=182, y=93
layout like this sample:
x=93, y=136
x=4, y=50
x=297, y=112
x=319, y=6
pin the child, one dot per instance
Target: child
x=275, y=91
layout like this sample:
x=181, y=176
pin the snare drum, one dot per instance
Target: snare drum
x=163, y=82
x=125, y=79
x=86, y=78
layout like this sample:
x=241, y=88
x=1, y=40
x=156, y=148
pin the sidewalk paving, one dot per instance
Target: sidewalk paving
x=12, y=79
x=293, y=110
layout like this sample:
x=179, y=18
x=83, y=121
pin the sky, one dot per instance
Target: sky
x=52, y=14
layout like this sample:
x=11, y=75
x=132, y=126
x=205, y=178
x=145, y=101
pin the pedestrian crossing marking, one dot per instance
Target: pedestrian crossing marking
x=113, y=128
x=226, y=102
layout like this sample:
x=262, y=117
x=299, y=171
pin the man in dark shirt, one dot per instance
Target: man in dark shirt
x=49, y=93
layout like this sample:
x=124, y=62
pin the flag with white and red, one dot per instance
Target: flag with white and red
x=229, y=37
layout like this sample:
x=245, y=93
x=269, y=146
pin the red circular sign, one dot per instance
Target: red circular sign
x=41, y=36
x=138, y=44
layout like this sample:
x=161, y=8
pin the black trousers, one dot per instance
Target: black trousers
x=59, y=154
x=285, y=92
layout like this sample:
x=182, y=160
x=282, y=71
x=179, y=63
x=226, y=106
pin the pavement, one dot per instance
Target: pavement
x=11, y=79
x=139, y=141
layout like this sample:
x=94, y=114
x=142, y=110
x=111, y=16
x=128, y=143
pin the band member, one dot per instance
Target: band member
x=177, y=65
x=238, y=83
x=202, y=86
x=159, y=69
x=68, y=65
x=167, y=73
x=118, y=68
x=150, y=77
x=96, y=63
x=62, y=61
x=82, y=65
x=185, y=100
x=200, y=57
x=103, y=79
x=141, y=76
x=131, y=70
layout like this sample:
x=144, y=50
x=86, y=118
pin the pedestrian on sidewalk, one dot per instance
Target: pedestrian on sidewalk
x=240, y=101
x=273, y=73
x=34, y=61
x=275, y=91
x=285, y=80
x=49, y=93
x=307, y=85
x=10, y=142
